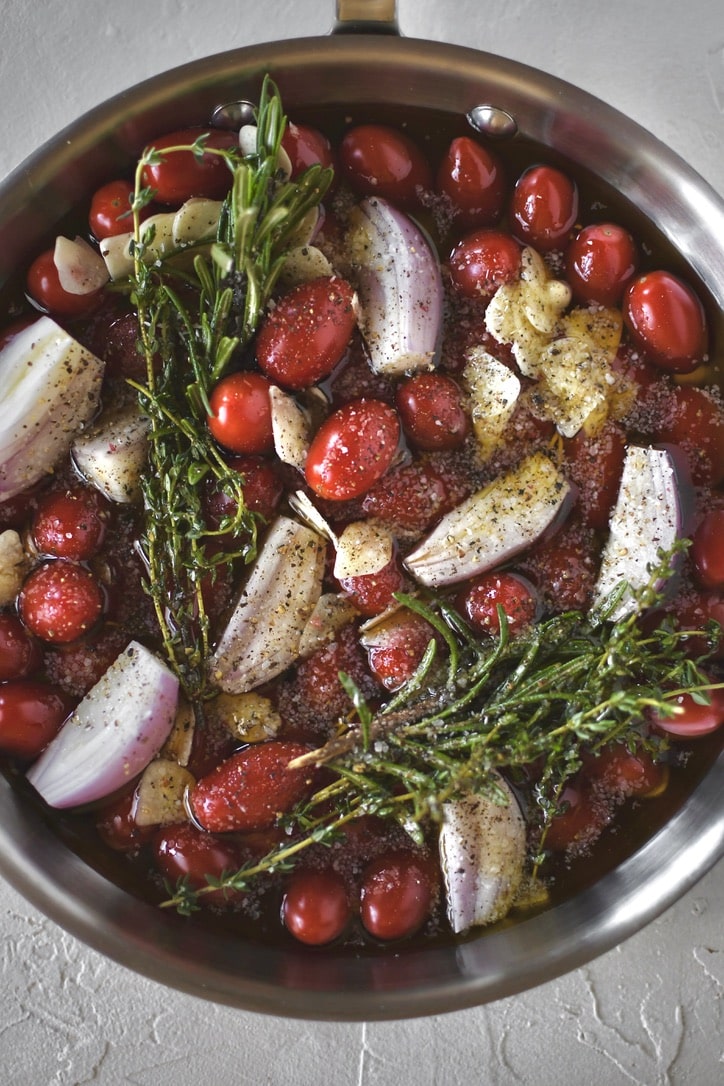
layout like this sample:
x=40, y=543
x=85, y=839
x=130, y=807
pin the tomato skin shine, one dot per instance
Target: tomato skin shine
x=600, y=263
x=472, y=178
x=381, y=161
x=316, y=907
x=306, y=333
x=110, y=210
x=31, y=714
x=60, y=601
x=544, y=208
x=241, y=414
x=352, y=449
x=432, y=411
x=666, y=320
x=398, y=891
x=179, y=175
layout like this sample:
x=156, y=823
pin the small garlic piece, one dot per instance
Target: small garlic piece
x=494, y=391
x=81, y=270
x=332, y=612
x=113, y=454
x=159, y=798
x=363, y=548
x=290, y=428
x=249, y=717
x=13, y=566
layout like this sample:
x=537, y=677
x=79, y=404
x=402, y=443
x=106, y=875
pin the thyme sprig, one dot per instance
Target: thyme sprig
x=198, y=308
x=574, y=682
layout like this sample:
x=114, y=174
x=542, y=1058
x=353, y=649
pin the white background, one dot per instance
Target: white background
x=651, y=1012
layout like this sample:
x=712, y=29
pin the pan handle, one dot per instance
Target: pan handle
x=366, y=17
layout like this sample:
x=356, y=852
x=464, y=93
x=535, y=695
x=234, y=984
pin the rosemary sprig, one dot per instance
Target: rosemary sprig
x=197, y=310
x=574, y=682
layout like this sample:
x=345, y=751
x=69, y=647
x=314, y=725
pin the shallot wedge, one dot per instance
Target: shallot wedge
x=492, y=525
x=482, y=856
x=114, y=452
x=647, y=518
x=399, y=289
x=118, y=728
x=263, y=635
x=51, y=389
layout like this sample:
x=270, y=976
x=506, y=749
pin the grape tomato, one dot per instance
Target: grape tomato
x=352, y=449
x=381, y=161
x=179, y=175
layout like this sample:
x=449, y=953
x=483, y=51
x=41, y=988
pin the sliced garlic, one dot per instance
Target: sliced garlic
x=263, y=634
x=290, y=427
x=81, y=270
x=195, y=221
x=113, y=454
x=482, y=856
x=492, y=525
x=159, y=799
x=364, y=547
x=494, y=391
x=303, y=263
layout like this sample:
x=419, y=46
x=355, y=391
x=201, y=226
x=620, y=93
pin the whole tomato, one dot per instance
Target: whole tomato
x=43, y=283
x=179, y=175
x=20, y=654
x=472, y=178
x=31, y=714
x=307, y=332
x=60, y=601
x=110, y=210
x=484, y=261
x=316, y=907
x=307, y=146
x=544, y=208
x=378, y=160
x=241, y=413
x=666, y=320
x=397, y=895
x=352, y=449
x=600, y=262
x=432, y=411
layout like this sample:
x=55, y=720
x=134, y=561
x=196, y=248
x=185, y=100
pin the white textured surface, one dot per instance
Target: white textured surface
x=650, y=1013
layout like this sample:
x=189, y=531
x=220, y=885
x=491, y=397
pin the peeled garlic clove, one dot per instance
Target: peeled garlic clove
x=159, y=799
x=196, y=220
x=574, y=385
x=492, y=525
x=263, y=635
x=332, y=612
x=302, y=264
x=494, y=391
x=482, y=856
x=81, y=270
x=363, y=548
x=14, y=564
x=249, y=717
x=290, y=428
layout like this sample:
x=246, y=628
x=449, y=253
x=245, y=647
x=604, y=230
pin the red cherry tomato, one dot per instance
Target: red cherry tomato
x=184, y=852
x=484, y=261
x=395, y=647
x=707, y=549
x=70, y=523
x=307, y=332
x=31, y=714
x=181, y=174
x=382, y=161
x=480, y=600
x=600, y=262
x=316, y=907
x=352, y=449
x=432, y=411
x=250, y=789
x=372, y=593
x=695, y=422
x=621, y=773
x=666, y=320
x=241, y=413
x=564, y=568
x=110, y=210
x=544, y=208
x=580, y=821
x=60, y=601
x=263, y=489
x=117, y=827
x=20, y=654
x=44, y=287
x=397, y=895
x=411, y=497
x=472, y=178
x=307, y=147
x=595, y=464
x=692, y=719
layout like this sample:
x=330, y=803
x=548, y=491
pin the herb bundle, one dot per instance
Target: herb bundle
x=198, y=308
